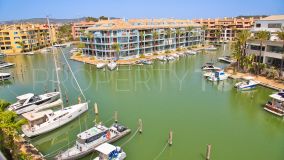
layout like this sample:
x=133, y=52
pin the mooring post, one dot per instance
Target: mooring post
x=115, y=117
x=96, y=108
x=140, y=125
x=170, y=141
x=79, y=100
x=208, y=153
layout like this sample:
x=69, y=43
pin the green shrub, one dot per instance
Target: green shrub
x=142, y=56
x=167, y=51
x=178, y=49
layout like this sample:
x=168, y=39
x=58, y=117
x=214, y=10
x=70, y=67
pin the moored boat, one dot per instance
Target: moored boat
x=227, y=59
x=48, y=120
x=88, y=140
x=2, y=55
x=209, y=67
x=29, y=102
x=211, y=48
x=112, y=65
x=108, y=151
x=6, y=64
x=29, y=53
x=191, y=52
x=101, y=65
x=247, y=84
x=218, y=76
x=276, y=105
x=5, y=76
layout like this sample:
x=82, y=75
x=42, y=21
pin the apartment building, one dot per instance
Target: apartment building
x=273, y=49
x=140, y=36
x=80, y=27
x=225, y=29
x=17, y=38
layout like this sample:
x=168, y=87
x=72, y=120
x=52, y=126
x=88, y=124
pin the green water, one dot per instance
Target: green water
x=166, y=96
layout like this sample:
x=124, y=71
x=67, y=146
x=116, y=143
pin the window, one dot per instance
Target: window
x=258, y=25
x=257, y=48
x=274, y=25
x=275, y=49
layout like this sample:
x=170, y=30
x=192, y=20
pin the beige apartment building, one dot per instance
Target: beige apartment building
x=225, y=29
x=18, y=38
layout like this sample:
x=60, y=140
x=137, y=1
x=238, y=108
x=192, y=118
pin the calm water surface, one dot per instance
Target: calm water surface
x=166, y=96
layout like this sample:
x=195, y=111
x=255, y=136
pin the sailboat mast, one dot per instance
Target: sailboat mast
x=56, y=67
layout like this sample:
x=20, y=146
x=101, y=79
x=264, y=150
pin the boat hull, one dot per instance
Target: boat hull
x=81, y=108
x=92, y=149
x=274, y=110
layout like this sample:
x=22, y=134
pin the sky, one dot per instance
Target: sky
x=185, y=9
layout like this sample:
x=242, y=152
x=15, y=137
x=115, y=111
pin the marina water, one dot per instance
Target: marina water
x=166, y=96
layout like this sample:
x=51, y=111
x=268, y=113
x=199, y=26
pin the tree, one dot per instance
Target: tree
x=239, y=47
x=188, y=30
x=103, y=18
x=178, y=33
x=155, y=37
x=65, y=32
x=88, y=19
x=116, y=47
x=218, y=33
x=280, y=35
x=10, y=124
x=90, y=36
x=261, y=36
x=22, y=44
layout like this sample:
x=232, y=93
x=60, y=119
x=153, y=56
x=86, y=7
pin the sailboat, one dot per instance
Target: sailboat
x=48, y=120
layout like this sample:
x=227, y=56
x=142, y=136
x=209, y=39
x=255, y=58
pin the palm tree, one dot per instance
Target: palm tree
x=262, y=36
x=10, y=124
x=178, y=33
x=188, y=30
x=204, y=28
x=22, y=44
x=90, y=36
x=239, y=47
x=218, y=33
x=155, y=37
x=116, y=47
x=280, y=35
x=169, y=35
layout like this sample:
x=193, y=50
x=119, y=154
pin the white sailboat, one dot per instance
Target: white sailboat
x=46, y=121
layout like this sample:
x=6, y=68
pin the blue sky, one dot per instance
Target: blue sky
x=21, y=9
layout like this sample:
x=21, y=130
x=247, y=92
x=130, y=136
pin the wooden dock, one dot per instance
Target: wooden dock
x=267, y=85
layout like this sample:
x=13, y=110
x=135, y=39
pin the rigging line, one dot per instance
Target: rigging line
x=72, y=74
x=55, y=63
x=157, y=157
x=130, y=138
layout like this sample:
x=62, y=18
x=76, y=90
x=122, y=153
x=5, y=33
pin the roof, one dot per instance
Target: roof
x=116, y=24
x=105, y=148
x=31, y=116
x=273, y=18
x=25, y=96
x=92, y=131
x=277, y=97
